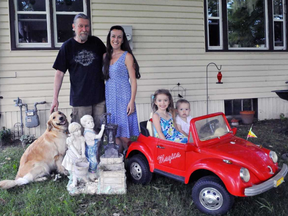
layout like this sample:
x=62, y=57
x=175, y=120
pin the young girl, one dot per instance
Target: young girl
x=164, y=128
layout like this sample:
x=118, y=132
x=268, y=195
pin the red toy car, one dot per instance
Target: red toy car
x=225, y=165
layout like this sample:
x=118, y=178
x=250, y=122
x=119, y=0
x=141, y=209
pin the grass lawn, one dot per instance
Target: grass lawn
x=162, y=196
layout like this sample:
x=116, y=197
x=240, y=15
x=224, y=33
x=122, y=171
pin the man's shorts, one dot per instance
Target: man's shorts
x=95, y=111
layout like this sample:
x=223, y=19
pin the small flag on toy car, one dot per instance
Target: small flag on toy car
x=251, y=134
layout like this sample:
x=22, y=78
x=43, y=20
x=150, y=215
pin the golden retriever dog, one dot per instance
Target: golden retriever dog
x=44, y=154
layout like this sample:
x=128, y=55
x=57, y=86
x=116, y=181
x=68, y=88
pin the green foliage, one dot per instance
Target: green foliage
x=265, y=204
x=282, y=117
x=6, y=136
x=246, y=23
x=27, y=139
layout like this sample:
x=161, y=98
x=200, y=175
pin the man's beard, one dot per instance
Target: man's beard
x=83, y=36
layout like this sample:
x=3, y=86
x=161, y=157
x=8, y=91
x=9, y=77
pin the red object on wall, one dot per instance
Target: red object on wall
x=219, y=77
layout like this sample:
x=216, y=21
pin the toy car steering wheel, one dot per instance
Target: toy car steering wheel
x=209, y=127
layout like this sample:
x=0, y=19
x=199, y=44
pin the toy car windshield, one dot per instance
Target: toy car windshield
x=210, y=128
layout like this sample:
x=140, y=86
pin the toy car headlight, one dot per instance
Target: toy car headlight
x=273, y=156
x=244, y=174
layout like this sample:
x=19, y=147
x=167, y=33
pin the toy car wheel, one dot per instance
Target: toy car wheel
x=211, y=197
x=138, y=170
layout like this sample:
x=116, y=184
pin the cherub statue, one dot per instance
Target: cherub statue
x=91, y=139
x=75, y=152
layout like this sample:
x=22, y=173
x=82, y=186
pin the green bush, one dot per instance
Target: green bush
x=27, y=139
x=6, y=136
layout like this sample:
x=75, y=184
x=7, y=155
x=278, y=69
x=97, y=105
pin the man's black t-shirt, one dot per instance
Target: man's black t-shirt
x=84, y=63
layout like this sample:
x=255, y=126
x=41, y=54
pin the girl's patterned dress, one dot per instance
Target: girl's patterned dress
x=169, y=130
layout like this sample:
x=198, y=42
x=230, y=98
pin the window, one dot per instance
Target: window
x=43, y=24
x=214, y=24
x=233, y=107
x=245, y=25
x=279, y=24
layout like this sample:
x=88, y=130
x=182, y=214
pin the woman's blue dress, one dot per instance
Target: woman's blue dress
x=118, y=95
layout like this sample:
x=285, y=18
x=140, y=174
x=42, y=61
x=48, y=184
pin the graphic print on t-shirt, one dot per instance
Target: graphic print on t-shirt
x=84, y=57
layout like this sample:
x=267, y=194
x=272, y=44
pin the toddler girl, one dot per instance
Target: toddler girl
x=183, y=118
x=164, y=128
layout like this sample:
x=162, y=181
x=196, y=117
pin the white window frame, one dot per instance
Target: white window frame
x=269, y=28
x=284, y=26
x=55, y=13
x=219, y=18
x=33, y=45
x=51, y=14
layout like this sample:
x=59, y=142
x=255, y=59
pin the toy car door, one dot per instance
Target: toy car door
x=169, y=156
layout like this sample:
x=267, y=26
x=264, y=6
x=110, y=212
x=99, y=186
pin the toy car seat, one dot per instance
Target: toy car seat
x=143, y=128
x=146, y=127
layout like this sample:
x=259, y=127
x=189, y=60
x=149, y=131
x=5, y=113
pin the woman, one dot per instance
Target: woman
x=120, y=66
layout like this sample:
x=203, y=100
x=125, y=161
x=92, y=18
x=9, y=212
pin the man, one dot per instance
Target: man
x=82, y=56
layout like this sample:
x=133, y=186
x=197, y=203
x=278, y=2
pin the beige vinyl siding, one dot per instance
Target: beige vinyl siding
x=169, y=44
x=166, y=36
x=27, y=74
x=271, y=108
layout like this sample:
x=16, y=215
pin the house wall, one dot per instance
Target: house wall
x=169, y=44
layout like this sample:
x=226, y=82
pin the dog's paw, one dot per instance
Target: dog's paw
x=41, y=179
x=65, y=172
x=57, y=176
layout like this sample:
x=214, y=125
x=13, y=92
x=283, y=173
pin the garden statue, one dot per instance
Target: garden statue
x=107, y=177
x=111, y=149
x=91, y=139
x=75, y=160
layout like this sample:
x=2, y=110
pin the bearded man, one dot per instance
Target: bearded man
x=82, y=56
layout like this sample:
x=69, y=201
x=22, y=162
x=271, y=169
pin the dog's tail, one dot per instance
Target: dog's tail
x=6, y=184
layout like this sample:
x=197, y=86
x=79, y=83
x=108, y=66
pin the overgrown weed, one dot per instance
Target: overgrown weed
x=265, y=204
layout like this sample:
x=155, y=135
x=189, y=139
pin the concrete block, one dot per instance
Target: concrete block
x=112, y=178
x=111, y=167
x=111, y=160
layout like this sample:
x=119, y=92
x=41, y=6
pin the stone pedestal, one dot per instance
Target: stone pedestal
x=112, y=178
